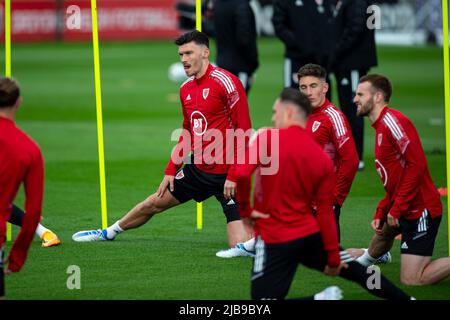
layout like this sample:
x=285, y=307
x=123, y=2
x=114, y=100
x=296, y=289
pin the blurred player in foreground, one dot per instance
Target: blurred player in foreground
x=412, y=205
x=20, y=162
x=287, y=230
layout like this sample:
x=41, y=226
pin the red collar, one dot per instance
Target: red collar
x=325, y=104
x=208, y=71
x=382, y=113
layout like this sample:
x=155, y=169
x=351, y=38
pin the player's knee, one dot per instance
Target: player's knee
x=411, y=280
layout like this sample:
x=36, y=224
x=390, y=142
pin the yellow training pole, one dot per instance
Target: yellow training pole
x=198, y=26
x=98, y=102
x=446, y=48
x=8, y=72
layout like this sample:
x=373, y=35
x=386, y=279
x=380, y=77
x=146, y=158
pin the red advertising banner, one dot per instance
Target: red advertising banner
x=36, y=20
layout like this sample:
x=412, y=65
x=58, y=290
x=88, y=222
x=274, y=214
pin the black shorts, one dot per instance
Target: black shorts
x=192, y=183
x=274, y=265
x=418, y=236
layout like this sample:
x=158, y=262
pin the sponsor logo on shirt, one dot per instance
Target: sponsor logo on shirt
x=188, y=97
x=380, y=138
x=198, y=123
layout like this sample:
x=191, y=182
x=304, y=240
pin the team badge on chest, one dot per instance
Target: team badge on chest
x=205, y=93
x=315, y=126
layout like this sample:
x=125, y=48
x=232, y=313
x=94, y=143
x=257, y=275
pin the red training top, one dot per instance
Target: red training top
x=329, y=127
x=213, y=104
x=20, y=161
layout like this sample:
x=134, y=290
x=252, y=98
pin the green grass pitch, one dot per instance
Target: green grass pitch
x=168, y=258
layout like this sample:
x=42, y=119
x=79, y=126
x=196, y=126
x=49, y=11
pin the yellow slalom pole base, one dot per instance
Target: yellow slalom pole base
x=199, y=215
x=8, y=232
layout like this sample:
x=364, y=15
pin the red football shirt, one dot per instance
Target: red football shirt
x=304, y=176
x=401, y=164
x=330, y=129
x=20, y=162
x=213, y=106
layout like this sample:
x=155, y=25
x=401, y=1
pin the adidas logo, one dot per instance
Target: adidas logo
x=231, y=202
x=404, y=246
x=188, y=97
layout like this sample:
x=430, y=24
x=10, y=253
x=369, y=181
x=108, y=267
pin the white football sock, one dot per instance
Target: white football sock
x=366, y=260
x=249, y=245
x=319, y=296
x=113, y=230
x=40, y=230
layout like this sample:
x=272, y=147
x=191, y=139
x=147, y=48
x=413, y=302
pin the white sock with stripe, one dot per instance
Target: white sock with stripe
x=366, y=260
x=113, y=230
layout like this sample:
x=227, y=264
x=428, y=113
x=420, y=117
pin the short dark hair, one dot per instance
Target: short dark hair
x=313, y=70
x=297, y=98
x=9, y=92
x=380, y=83
x=198, y=37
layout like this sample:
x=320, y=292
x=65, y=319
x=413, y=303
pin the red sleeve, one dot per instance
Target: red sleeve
x=347, y=170
x=325, y=215
x=415, y=166
x=348, y=156
x=34, y=189
x=180, y=150
x=238, y=108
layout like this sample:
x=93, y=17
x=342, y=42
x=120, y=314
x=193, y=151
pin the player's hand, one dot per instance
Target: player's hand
x=229, y=189
x=393, y=222
x=6, y=270
x=377, y=226
x=259, y=215
x=167, y=181
x=334, y=271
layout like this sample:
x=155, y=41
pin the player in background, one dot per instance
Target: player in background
x=20, y=162
x=328, y=126
x=303, y=27
x=288, y=233
x=236, y=39
x=352, y=54
x=48, y=237
x=213, y=101
x=411, y=206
